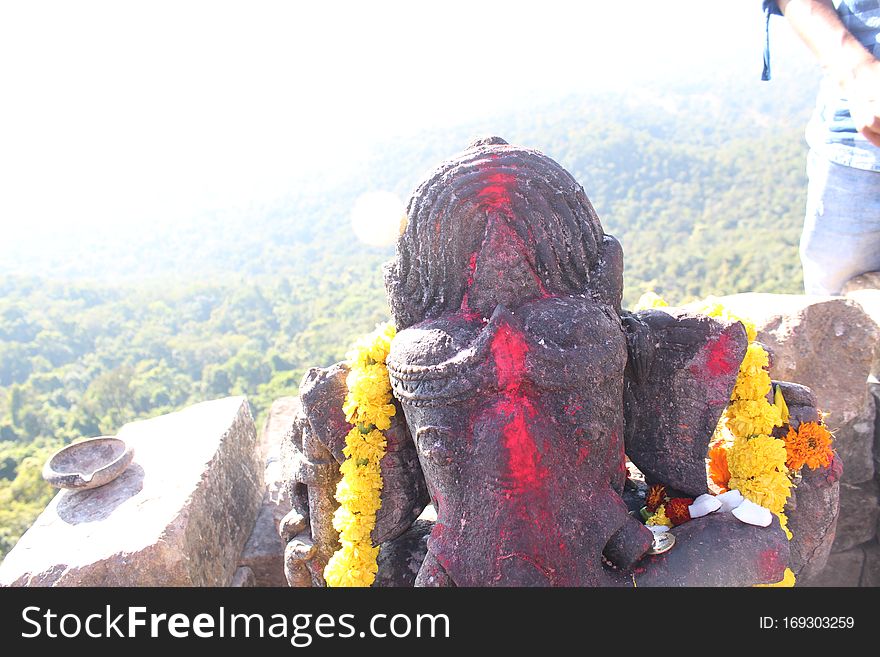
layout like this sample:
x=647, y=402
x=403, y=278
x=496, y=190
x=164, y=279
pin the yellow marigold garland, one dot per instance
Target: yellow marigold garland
x=368, y=405
x=755, y=459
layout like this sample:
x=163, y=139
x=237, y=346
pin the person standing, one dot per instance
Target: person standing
x=841, y=234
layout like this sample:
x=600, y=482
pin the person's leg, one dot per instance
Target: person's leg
x=841, y=236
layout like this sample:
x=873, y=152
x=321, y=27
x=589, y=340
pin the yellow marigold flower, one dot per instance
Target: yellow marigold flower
x=752, y=387
x=352, y=566
x=769, y=489
x=756, y=358
x=758, y=455
x=786, y=581
x=372, y=348
x=659, y=518
x=749, y=417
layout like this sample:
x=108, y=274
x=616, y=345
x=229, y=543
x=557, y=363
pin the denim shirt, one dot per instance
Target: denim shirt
x=831, y=131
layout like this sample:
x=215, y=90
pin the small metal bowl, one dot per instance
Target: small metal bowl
x=662, y=543
x=89, y=463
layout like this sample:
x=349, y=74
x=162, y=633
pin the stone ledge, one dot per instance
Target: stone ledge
x=178, y=516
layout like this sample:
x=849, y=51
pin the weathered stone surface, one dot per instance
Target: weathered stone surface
x=812, y=518
x=871, y=569
x=867, y=281
x=801, y=402
x=243, y=577
x=311, y=472
x=865, y=290
x=874, y=388
x=843, y=569
x=827, y=344
x=859, y=512
x=264, y=550
x=178, y=516
x=400, y=559
x=718, y=550
x=278, y=422
x=854, y=443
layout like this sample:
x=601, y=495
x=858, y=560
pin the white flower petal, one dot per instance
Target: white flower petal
x=704, y=505
x=730, y=500
x=753, y=514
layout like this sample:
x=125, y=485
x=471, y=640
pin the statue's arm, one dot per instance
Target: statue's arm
x=313, y=457
x=681, y=370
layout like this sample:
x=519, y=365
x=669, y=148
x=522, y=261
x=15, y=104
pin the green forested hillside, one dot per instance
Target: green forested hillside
x=703, y=185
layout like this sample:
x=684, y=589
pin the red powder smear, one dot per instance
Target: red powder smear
x=770, y=566
x=542, y=545
x=583, y=453
x=496, y=194
x=524, y=464
x=719, y=360
x=472, y=267
x=509, y=350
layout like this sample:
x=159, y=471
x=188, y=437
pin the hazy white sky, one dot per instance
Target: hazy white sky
x=122, y=111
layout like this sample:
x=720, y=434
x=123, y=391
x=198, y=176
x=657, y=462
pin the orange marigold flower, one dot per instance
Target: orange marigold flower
x=810, y=445
x=656, y=495
x=677, y=510
x=718, y=471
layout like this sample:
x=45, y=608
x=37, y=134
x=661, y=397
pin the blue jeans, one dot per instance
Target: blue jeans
x=841, y=237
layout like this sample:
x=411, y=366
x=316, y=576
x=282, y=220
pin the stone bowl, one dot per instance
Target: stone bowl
x=89, y=463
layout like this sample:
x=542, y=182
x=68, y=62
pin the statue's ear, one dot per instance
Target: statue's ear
x=673, y=405
x=606, y=277
x=404, y=307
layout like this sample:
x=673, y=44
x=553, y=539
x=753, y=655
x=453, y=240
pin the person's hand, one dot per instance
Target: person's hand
x=862, y=89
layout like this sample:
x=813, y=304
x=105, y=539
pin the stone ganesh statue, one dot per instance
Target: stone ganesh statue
x=521, y=388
